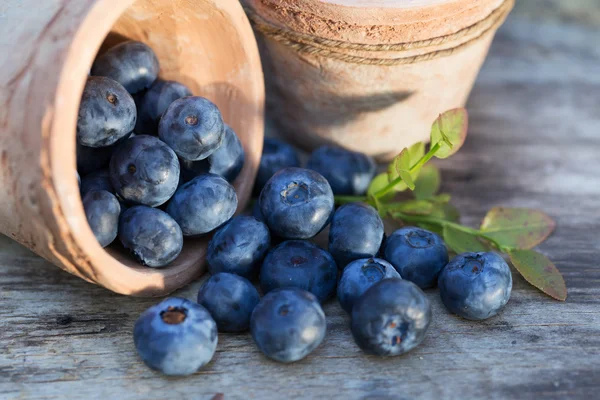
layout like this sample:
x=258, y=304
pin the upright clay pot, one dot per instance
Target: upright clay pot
x=370, y=75
x=46, y=55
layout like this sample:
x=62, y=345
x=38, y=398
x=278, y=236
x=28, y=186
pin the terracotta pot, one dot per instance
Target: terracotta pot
x=370, y=75
x=206, y=44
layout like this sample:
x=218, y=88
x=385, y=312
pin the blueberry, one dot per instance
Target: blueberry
x=227, y=161
x=98, y=180
x=106, y=114
x=391, y=317
x=133, y=64
x=348, y=172
x=193, y=127
x=102, y=210
x=230, y=299
x=418, y=255
x=239, y=247
x=276, y=156
x=155, y=102
x=360, y=275
x=144, y=170
x=475, y=286
x=299, y=264
x=256, y=213
x=288, y=324
x=90, y=159
x=356, y=231
x=296, y=203
x=151, y=235
x=175, y=337
x=203, y=204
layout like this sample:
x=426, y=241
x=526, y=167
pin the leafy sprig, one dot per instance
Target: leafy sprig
x=513, y=231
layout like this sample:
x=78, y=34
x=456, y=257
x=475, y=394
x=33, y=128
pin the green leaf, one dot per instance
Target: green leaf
x=461, y=241
x=446, y=211
x=517, y=228
x=431, y=227
x=400, y=167
x=441, y=198
x=450, y=131
x=428, y=182
x=416, y=152
x=413, y=207
x=378, y=183
x=539, y=271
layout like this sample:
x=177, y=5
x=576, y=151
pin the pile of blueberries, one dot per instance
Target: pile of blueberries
x=378, y=280
x=157, y=165
x=156, y=162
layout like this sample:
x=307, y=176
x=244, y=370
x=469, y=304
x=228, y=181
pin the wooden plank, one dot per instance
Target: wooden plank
x=533, y=143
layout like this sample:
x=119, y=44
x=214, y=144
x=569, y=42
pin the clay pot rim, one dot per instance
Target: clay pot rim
x=59, y=160
x=385, y=22
x=386, y=4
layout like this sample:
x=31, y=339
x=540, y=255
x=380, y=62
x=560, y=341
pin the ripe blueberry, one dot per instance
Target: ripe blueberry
x=151, y=235
x=203, y=204
x=276, y=156
x=155, y=102
x=144, y=170
x=230, y=299
x=90, y=159
x=348, y=172
x=356, y=232
x=106, y=113
x=391, y=317
x=418, y=255
x=299, y=264
x=133, y=64
x=97, y=180
x=102, y=210
x=227, y=161
x=175, y=337
x=239, y=247
x=360, y=275
x=193, y=127
x=475, y=286
x=288, y=324
x=296, y=203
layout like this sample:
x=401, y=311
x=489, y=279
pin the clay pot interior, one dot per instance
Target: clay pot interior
x=208, y=46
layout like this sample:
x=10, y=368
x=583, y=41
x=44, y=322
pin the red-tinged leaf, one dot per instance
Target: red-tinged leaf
x=517, y=228
x=540, y=272
x=450, y=131
x=461, y=241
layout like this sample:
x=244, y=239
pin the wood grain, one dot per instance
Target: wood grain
x=533, y=143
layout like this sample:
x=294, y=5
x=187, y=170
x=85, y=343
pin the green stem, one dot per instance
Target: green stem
x=426, y=157
x=390, y=186
x=443, y=223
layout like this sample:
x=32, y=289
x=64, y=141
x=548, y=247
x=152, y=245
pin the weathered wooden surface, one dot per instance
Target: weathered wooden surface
x=534, y=143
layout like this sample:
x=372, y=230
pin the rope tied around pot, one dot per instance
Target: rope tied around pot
x=330, y=48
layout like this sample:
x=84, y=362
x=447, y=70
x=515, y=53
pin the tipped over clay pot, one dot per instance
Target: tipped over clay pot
x=370, y=75
x=207, y=45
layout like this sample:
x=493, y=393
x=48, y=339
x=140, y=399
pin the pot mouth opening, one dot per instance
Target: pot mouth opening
x=108, y=23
